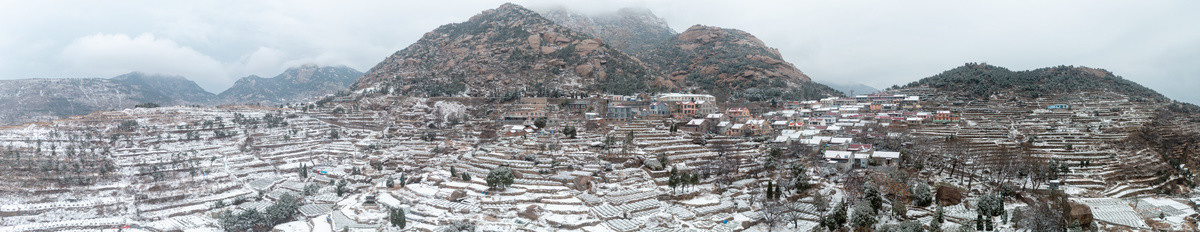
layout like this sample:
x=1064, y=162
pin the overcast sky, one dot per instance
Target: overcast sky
x=878, y=43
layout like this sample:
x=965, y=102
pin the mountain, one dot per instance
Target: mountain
x=980, y=80
x=296, y=84
x=174, y=89
x=632, y=30
x=507, y=50
x=850, y=89
x=724, y=62
x=30, y=100
x=731, y=62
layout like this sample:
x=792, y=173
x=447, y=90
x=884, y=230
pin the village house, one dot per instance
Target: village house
x=885, y=158
x=1059, y=107
x=682, y=97
x=706, y=107
x=696, y=125
x=757, y=126
x=577, y=105
x=519, y=130
x=620, y=112
x=839, y=159
x=526, y=109
x=738, y=114
x=657, y=110
x=944, y=116
x=682, y=110
x=736, y=129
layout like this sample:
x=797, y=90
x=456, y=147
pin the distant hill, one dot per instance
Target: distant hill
x=174, y=90
x=296, y=84
x=30, y=100
x=851, y=88
x=982, y=80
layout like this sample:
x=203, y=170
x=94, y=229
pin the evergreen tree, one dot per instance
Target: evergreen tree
x=938, y=215
x=303, y=171
x=500, y=178
x=837, y=218
x=397, y=218
x=872, y=197
x=899, y=209
x=864, y=216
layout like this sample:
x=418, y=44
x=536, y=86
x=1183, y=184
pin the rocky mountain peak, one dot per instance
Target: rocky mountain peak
x=631, y=30
x=507, y=49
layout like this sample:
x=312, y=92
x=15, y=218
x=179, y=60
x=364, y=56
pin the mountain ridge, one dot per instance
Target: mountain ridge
x=984, y=80
x=300, y=83
x=43, y=99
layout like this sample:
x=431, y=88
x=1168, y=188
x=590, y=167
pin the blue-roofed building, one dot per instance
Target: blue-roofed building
x=1059, y=107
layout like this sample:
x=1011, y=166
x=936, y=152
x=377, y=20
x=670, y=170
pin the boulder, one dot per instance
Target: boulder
x=947, y=195
x=584, y=70
x=457, y=195
x=531, y=212
x=1080, y=213
x=587, y=46
x=582, y=183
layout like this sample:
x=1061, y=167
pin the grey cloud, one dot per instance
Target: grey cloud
x=878, y=43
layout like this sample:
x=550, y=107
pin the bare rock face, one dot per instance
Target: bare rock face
x=520, y=48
